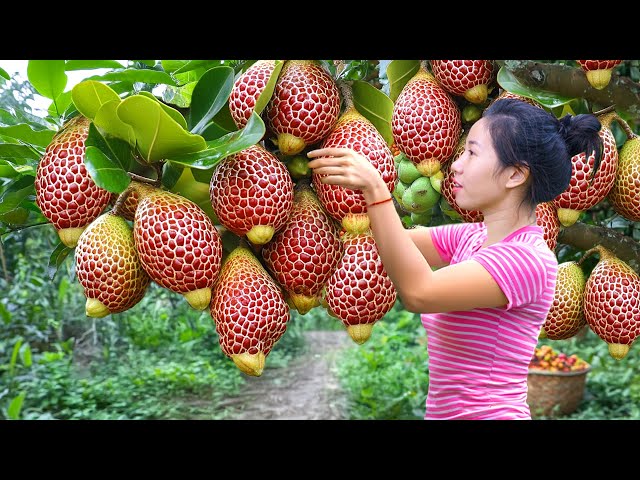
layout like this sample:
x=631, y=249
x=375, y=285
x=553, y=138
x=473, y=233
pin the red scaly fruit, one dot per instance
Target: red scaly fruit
x=304, y=107
x=507, y=94
x=587, y=189
x=348, y=206
x=306, y=252
x=612, y=302
x=625, y=193
x=566, y=316
x=598, y=72
x=252, y=194
x=65, y=192
x=247, y=89
x=108, y=267
x=446, y=186
x=547, y=218
x=425, y=122
x=359, y=292
x=468, y=78
x=249, y=311
x=178, y=244
x=128, y=208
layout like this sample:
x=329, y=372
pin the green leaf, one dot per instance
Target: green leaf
x=190, y=76
x=108, y=161
x=60, y=104
x=158, y=135
x=15, y=193
x=91, y=64
x=26, y=355
x=214, y=131
x=5, y=314
x=104, y=172
x=179, y=96
x=89, y=96
x=209, y=96
x=18, y=154
x=173, y=113
x=267, y=93
x=399, y=72
x=148, y=63
x=109, y=123
x=47, y=77
x=222, y=147
x=135, y=75
x=57, y=258
x=28, y=135
x=170, y=174
x=171, y=66
x=4, y=74
x=197, y=64
x=14, y=356
x=375, y=106
x=13, y=411
x=510, y=82
x=202, y=176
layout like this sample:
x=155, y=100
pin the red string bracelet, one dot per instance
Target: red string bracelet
x=381, y=201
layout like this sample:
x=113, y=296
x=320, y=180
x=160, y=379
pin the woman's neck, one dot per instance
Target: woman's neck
x=502, y=223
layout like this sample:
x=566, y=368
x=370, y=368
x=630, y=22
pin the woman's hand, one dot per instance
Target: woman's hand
x=345, y=167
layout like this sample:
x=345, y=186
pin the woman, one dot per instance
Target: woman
x=484, y=289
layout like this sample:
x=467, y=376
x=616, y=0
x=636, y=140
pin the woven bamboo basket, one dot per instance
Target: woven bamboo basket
x=554, y=394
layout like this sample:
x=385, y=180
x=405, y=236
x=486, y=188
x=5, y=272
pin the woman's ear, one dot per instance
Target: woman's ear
x=518, y=176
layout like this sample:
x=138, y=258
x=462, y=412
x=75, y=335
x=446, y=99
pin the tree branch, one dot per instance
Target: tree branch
x=583, y=237
x=572, y=82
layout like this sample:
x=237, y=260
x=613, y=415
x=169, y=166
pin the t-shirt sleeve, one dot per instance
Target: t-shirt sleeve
x=446, y=238
x=518, y=268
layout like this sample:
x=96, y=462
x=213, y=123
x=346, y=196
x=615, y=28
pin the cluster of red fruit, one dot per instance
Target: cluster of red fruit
x=546, y=358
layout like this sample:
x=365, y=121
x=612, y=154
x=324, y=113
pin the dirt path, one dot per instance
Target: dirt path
x=307, y=389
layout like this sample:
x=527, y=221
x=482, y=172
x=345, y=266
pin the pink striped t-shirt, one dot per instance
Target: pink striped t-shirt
x=479, y=359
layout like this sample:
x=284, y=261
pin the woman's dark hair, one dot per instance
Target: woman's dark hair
x=524, y=134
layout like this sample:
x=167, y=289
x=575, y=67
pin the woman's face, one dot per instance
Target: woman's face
x=477, y=185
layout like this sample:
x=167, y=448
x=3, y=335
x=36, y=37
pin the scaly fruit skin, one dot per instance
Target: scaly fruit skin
x=566, y=317
x=128, y=209
x=345, y=205
x=306, y=252
x=65, y=192
x=108, y=268
x=178, y=244
x=547, y=218
x=507, y=94
x=247, y=89
x=252, y=194
x=360, y=292
x=598, y=72
x=304, y=107
x=249, y=311
x=625, y=193
x=426, y=123
x=467, y=78
x=611, y=302
x=585, y=189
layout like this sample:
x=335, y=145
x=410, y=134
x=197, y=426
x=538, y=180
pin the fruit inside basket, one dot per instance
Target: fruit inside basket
x=546, y=358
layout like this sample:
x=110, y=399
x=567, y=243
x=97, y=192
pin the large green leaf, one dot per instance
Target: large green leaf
x=509, y=82
x=267, y=93
x=190, y=76
x=27, y=134
x=89, y=96
x=375, y=106
x=91, y=64
x=179, y=96
x=399, y=72
x=47, y=77
x=214, y=131
x=197, y=64
x=108, y=160
x=173, y=113
x=16, y=159
x=170, y=66
x=110, y=124
x=135, y=75
x=4, y=74
x=104, y=172
x=15, y=406
x=209, y=96
x=15, y=193
x=57, y=258
x=170, y=174
x=60, y=104
x=224, y=146
x=157, y=134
